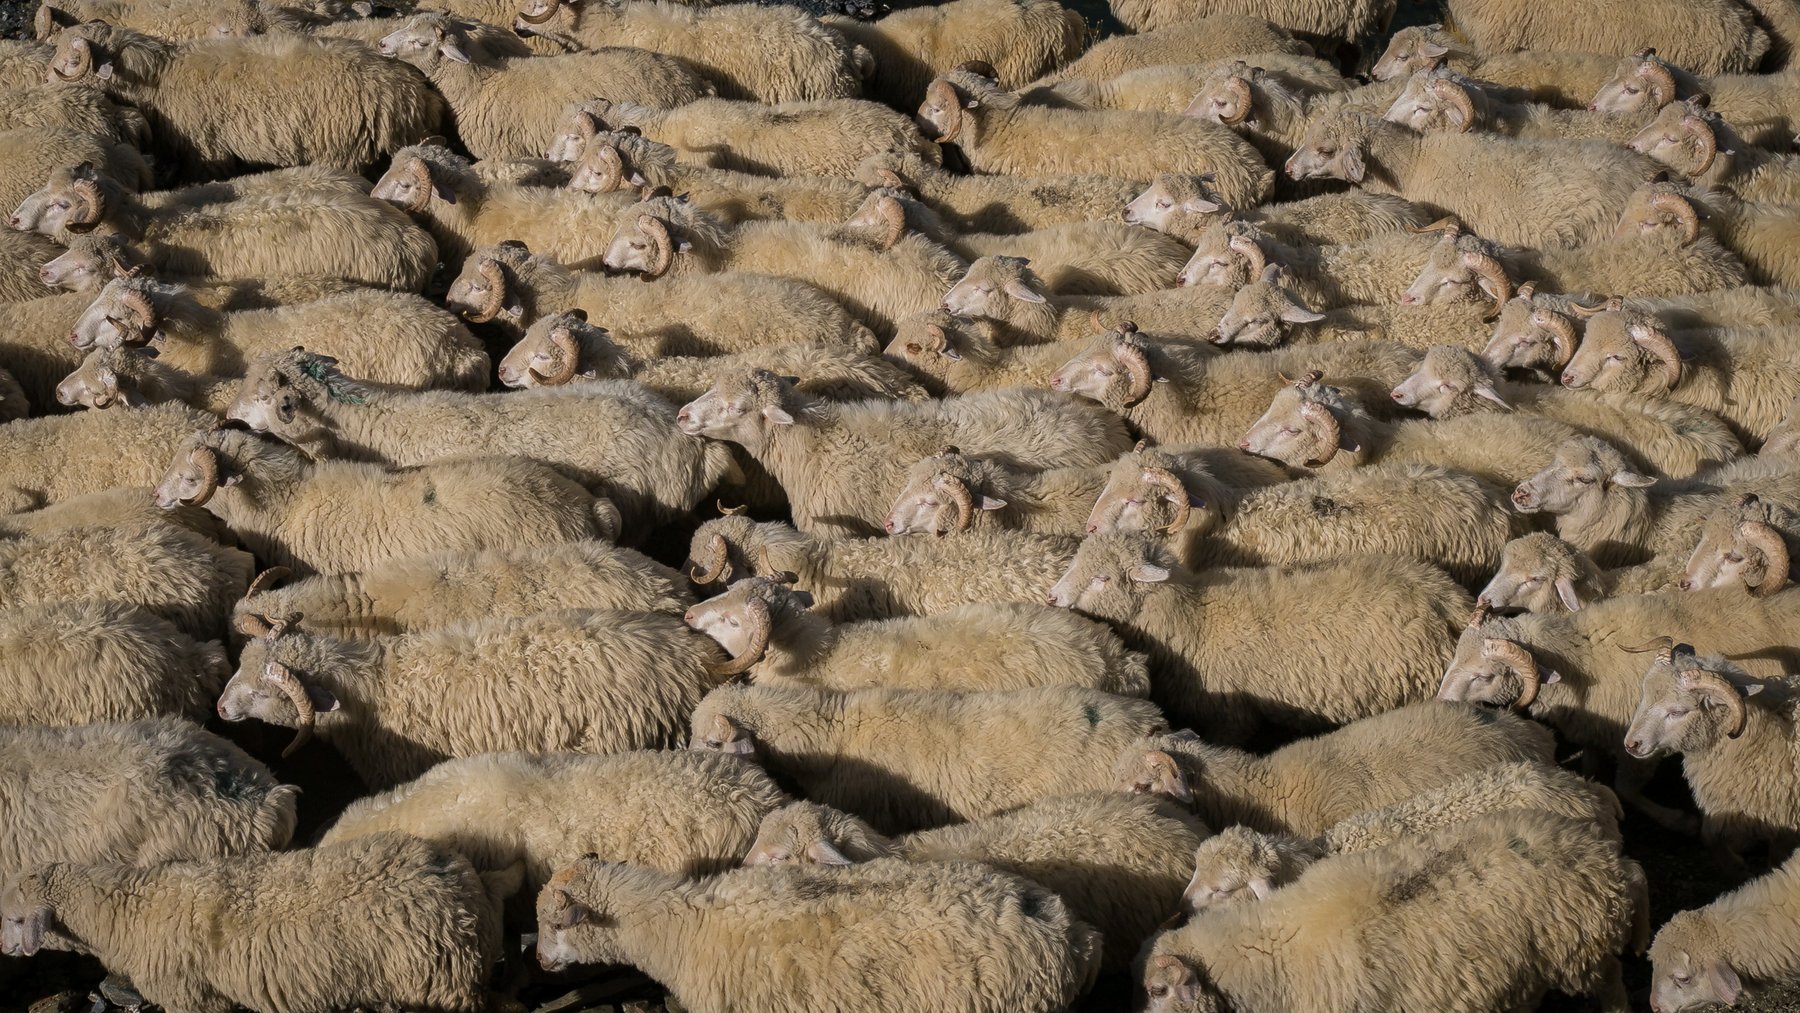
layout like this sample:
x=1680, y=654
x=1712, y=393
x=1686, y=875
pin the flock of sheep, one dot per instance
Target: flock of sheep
x=1213, y=492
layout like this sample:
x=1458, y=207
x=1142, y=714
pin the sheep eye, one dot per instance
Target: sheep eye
x=733, y=621
x=1630, y=90
x=1583, y=480
x=1531, y=582
x=1159, y=991
x=1682, y=979
x=1732, y=557
x=1162, y=205
x=1678, y=712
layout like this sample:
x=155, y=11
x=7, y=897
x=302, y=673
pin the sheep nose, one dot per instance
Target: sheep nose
x=1593, y=107
x=1243, y=444
x=1058, y=383
x=1396, y=394
x=688, y=617
x=1184, y=280
x=682, y=415
x=1051, y=600
x=888, y=525
x=1521, y=496
x=16, y=222
x=1568, y=379
x=1409, y=300
x=1092, y=528
x=44, y=275
x=1687, y=584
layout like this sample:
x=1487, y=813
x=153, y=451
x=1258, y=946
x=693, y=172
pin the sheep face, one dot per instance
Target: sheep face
x=1628, y=352
x=1333, y=148
x=1110, y=576
x=1227, y=95
x=801, y=833
x=991, y=285
x=932, y=343
x=1433, y=100
x=1538, y=573
x=1657, y=208
x=1687, y=968
x=1444, y=376
x=941, y=495
x=1530, y=335
x=1227, y=253
x=426, y=41
x=90, y=262
x=1411, y=50
x=743, y=408
x=742, y=619
x=574, y=931
x=270, y=402
x=1144, y=494
x=192, y=477
x=1688, y=704
x=1301, y=428
x=1642, y=84
x=1490, y=668
x=410, y=183
x=1174, y=204
x=559, y=348
x=81, y=54
x=1172, y=986
x=644, y=244
x=1461, y=268
x=582, y=124
x=943, y=115
x=1237, y=866
x=1680, y=137
x=95, y=384
x=122, y=314
x=1148, y=771
x=720, y=733
x=72, y=200
x=605, y=167
x=1742, y=544
x=1584, y=472
x=27, y=918
x=718, y=551
x=271, y=684
x=1259, y=311
x=482, y=291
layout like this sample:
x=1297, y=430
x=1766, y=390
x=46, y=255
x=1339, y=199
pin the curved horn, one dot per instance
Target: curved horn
x=1769, y=542
x=731, y=511
x=717, y=566
x=1521, y=662
x=567, y=358
x=488, y=269
x=1655, y=341
x=608, y=166
x=422, y=186
x=766, y=566
x=1663, y=646
x=1137, y=366
x=1453, y=94
x=1331, y=434
x=756, y=616
x=207, y=460
x=1497, y=284
x=1562, y=334
x=267, y=579
x=284, y=679
x=1714, y=685
x=1164, y=479
x=1251, y=250
x=85, y=67
x=1448, y=223
x=526, y=16
x=1483, y=609
x=1240, y=89
x=960, y=497
x=658, y=231
x=1662, y=83
x=1678, y=207
x=1705, y=140
x=91, y=206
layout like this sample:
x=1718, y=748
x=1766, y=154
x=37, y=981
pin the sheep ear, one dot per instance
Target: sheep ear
x=1632, y=480
x=1487, y=390
x=1261, y=887
x=1199, y=206
x=778, y=415
x=1294, y=313
x=1548, y=676
x=1354, y=168
x=1022, y=292
x=1725, y=983
x=322, y=700
x=1431, y=50
x=571, y=912
x=105, y=71
x=823, y=853
x=1148, y=573
x=1565, y=590
x=991, y=503
x=452, y=51
x=443, y=192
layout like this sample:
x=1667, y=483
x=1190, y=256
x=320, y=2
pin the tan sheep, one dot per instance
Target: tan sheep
x=1565, y=79
x=1762, y=234
x=131, y=377
x=999, y=203
x=1442, y=99
x=1018, y=40
x=114, y=449
x=1542, y=573
x=1007, y=292
x=1700, y=147
x=960, y=355
x=1709, y=35
x=1234, y=253
x=31, y=154
x=91, y=260
x=1541, y=787
x=1763, y=106
x=774, y=639
x=1744, y=542
x=1264, y=313
x=1186, y=206
x=1703, y=955
x=1188, y=40
x=73, y=662
x=21, y=255
x=1239, y=649
x=1661, y=263
x=1170, y=88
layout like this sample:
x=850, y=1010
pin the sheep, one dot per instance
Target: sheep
x=998, y=135
x=829, y=137
x=775, y=640
x=114, y=449
x=648, y=469
x=999, y=203
x=34, y=343
x=1345, y=22
x=1743, y=543
x=1507, y=877
x=961, y=756
x=175, y=20
x=1565, y=79
x=1443, y=100
x=506, y=107
x=865, y=447
x=140, y=793
x=1724, y=724
x=680, y=811
x=390, y=705
x=1082, y=258
x=879, y=284
x=1702, y=955
x=117, y=507
x=171, y=572
x=418, y=593
x=1761, y=105
x=1314, y=665
x=1005, y=291
x=1264, y=312
x=73, y=662
x=393, y=337
x=1673, y=439
x=271, y=496
x=974, y=939
x=1117, y=860
x=1234, y=253
x=1541, y=573
x=1188, y=40
x=1711, y=36
x=854, y=579
x=1269, y=110
x=133, y=378
x=745, y=51
x=90, y=261
x=207, y=101
x=949, y=491
x=356, y=239
x=565, y=348
x=1169, y=88
x=508, y=286
x=32, y=154
x=1239, y=865
x=1745, y=376
x=1017, y=40
x=1695, y=144
x=949, y=354
x=1303, y=789
x=1318, y=428
x=21, y=254
x=1185, y=206
x=1592, y=180
x=1453, y=521
x=1539, y=787
x=48, y=106
x=1763, y=235
x=412, y=925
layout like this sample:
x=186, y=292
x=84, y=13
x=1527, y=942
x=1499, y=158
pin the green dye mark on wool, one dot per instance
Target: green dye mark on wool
x=430, y=495
x=1092, y=713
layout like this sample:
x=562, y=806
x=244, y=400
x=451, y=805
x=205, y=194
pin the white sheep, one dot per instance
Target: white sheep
x=1017, y=40
x=74, y=662
x=115, y=449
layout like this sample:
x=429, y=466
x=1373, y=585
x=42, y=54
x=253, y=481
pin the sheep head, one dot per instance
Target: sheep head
x=1334, y=147
x=286, y=393
x=74, y=200
x=104, y=379
x=1111, y=575
x=1491, y=666
x=1642, y=84
x=91, y=261
x=1435, y=100
x=1689, y=965
x=1260, y=311
x=1540, y=573
x=83, y=54
x=744, y=619
x=1531, y=333
x=1304, y=425
x=743, y=407
x=426, y=41
x=722, y=550
x=932, y=343
x=1147, y=492
x=944, y=115
x=806, y=833
x=559, y=348
x=1228, y=95
x=992, y=286
x=720, y=733
x=1577, y=483
x=1461, y=268
x=1116, y=369
x=413, y=180
x=1451, y=381
x=606, y=165
x=487, y=288
x=28, y=913
x=1624, y=350
x=1743, y=543
x=1175, y=205
x=1684, y=136
x=1412, y=50
x=1239, y=865
x=1146, y=768
x=646, y=241
x=1172, y=985
x=1661, y=208
x=1688, y=704
x=1229, y=253
x=942, y=493
x=272, y=683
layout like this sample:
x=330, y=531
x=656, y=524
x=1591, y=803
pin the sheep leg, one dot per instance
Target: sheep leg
x=1628, y=784
x=1611, y=994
